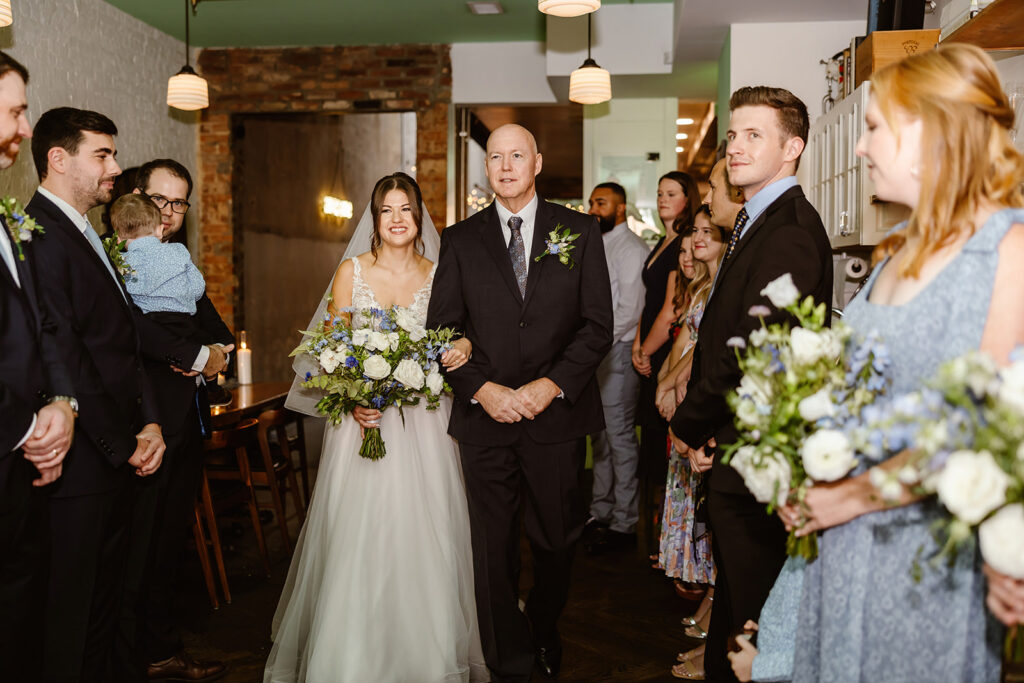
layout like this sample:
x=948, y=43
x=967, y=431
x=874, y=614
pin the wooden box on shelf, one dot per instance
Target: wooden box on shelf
x=885, y=47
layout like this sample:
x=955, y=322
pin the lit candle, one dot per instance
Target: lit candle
x=244, y=360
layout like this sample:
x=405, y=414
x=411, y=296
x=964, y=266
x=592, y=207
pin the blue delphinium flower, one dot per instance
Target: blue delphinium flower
x=309, y=376
x=554, y=247
x=378, y=402
x=351, y=362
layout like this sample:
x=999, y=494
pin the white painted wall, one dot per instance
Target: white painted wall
x=786, y=55
x=500, y=73
x=88, y=54
x=625, y=39
x=617, y=137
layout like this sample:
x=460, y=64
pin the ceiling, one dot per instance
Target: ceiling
x=701, y=25
x=253, y=23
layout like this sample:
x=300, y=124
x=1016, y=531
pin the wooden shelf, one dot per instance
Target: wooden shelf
x=1000, y=26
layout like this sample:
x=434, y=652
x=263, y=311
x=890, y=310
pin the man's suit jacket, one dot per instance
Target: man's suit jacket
x=561, y=329
x=175, y=392
x=31, y=367
x=787, y=238
x=100, y=346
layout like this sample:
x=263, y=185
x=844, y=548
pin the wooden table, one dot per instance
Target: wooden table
x=249, y=400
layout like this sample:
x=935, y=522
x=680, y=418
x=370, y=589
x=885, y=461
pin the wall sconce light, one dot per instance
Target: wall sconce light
x=186, y=89
x=590, y=84
x=6, y=15
x=567, y=8
x=339, y=208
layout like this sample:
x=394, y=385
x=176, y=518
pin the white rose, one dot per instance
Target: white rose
x=1011, y=389
x=807, y=346
x=360, y=336
x=375, y=367
x=817, y=406
x=767, y=477
x=1002, y=540
x=435, y=383
x=378, y=341
x=781, y=291
x=832, y=344
x=329, y=360
x=406, y=320
x=410, y=374
x=972, y=485
x=394, y=339
x=827, y=455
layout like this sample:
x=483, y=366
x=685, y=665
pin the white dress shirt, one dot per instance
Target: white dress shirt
x=626, y=253
x=529, y=215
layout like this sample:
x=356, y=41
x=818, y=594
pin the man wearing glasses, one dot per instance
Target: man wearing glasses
x=149, y=644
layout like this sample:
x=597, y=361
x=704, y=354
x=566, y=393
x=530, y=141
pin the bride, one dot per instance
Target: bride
x=381, y=584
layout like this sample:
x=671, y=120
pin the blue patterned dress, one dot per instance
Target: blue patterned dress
x=862, y=616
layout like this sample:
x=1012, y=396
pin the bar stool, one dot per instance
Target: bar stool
x=274, y=469
x=227, y=459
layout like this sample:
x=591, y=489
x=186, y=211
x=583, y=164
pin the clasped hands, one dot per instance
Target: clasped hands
x=149, y=450
x=699, y=460
x=50, y=440
x=508, y=405
x=216, y=362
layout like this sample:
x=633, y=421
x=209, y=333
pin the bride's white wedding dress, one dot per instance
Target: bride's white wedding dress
x=380, y=588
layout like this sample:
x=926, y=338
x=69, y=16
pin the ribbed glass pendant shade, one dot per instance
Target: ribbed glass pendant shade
x=187, y=90
x=567, y=8
x=6, y=16
x=590, y=84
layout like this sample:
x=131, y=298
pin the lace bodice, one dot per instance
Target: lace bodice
x=363, y=296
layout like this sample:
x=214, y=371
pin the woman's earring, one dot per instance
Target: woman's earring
x=915, y=172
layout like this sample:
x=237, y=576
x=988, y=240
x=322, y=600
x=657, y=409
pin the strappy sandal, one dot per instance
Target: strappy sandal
x=688, y=670
x=690, y=654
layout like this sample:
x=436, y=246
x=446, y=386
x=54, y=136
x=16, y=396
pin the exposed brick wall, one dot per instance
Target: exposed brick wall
x=318, y=79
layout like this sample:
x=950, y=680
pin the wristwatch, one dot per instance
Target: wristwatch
x=72, y=401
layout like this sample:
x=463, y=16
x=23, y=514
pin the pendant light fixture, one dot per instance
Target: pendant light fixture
x=567, y=8
x=590, y=84
x=6, y=16
x=186, y=89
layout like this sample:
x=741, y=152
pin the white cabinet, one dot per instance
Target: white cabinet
x=839, y=185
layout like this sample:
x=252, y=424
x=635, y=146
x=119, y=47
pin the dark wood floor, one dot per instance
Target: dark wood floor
x=622, y=622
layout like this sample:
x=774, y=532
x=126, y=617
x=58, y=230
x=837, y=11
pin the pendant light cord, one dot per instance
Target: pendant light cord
x=589, y=16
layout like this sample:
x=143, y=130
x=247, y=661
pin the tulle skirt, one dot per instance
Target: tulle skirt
x=380, y=588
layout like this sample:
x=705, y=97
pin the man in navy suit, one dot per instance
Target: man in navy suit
x=526, y=400
x=118, y=435
x=36, y=398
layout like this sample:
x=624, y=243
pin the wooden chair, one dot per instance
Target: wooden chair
x=204, y=556
x=274, y=469
x=228, y=459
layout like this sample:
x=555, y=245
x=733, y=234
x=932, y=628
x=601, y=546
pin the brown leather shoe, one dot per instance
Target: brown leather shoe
x=181, y=667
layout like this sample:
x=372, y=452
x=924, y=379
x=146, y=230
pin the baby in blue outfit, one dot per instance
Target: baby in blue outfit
x=165, y=279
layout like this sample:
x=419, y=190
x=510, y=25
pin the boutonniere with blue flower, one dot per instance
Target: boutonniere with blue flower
x=560, y=244
x=20, y=225
x=115, y=248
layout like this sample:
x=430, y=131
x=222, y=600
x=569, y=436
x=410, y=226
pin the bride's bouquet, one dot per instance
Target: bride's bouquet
x=967, y=434
x=388, y=360
x=801, y=386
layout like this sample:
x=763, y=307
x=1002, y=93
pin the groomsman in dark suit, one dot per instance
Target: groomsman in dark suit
x=118, y=435
x=149, y=644
x=777, y=232
x=528, y=396
x=36, y=399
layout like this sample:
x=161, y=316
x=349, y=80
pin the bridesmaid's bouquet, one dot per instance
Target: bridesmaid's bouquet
x=967, y=434
x=801, y=386
x=388, y=360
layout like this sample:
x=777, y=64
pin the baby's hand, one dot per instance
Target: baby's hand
x=458, y=355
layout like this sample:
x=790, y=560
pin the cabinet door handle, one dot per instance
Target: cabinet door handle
x=844, y=224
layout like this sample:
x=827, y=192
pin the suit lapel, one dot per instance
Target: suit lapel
x=75, y=237
x=541, y=227
x=494, y=241
x=14, y=254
